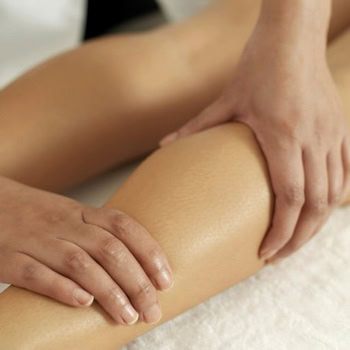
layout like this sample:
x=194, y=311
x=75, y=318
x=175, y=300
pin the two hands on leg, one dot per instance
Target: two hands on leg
x=210, y=237
x=207, y=201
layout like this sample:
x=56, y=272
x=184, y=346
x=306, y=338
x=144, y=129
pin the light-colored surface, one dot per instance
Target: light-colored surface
x=177, y=10
x=31, y=31
x=293, y=305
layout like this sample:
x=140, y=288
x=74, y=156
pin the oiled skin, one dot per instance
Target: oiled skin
x=113, y=99
x=207, y=201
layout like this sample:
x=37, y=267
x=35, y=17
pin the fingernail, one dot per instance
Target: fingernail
x=83, y=298
x=164, y=280
x=152, y=314
x=129, y=314
x=266, y=254
x=168, y=139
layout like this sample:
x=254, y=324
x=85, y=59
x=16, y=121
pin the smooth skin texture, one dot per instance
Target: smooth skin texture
x=283, y=90
x=174, y=208
x=59, y=96
x=94, y=104
x=73, y=253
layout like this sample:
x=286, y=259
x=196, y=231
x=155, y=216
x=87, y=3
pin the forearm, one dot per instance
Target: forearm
x=296, y=17
x=296, y=24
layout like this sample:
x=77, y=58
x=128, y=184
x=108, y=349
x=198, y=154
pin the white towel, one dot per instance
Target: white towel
x=177, y=10
x=33, y=30
x=301, y=303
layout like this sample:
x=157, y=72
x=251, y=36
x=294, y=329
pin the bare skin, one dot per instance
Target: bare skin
x=283, y=90
x=103, y=331
x=74, y=253
x=106, y=123
x=214, y=236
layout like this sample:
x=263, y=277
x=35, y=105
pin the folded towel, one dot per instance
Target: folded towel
x=301, y=303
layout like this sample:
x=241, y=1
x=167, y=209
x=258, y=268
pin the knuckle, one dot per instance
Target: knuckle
x=54, y=217
x=320, y=130
x=77, y=261
x=56, y=288
x=319, y=205
x=154, y=256
x=335, y=197
x=115, y=294
x=145, y=290
x=114, y=248
x=294, y=195
x=292, y=134
x=288, y=128
x=30, y=272
x=120, y=222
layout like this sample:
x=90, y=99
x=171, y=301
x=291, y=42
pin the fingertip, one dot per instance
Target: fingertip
x=168, y=139
x=267, y=253
x=164, y=280
x=83, y=298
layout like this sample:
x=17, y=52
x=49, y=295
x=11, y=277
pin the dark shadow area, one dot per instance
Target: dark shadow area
x=102, y=16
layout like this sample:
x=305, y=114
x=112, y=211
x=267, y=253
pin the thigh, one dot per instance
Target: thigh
x=206, y=199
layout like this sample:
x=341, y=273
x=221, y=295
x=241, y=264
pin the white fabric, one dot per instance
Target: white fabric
x=302, y=303
x=177, y=10
x=33, y=30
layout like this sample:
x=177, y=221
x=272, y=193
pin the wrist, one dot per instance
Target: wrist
x=295, y=23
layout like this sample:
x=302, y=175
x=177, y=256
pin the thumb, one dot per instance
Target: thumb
x=216, y=113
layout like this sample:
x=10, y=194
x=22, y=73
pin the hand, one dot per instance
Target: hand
x=70, y=252
x=286, y=95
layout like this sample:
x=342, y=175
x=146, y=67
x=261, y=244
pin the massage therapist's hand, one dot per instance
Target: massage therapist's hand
x=282, y=89
x=60, y=248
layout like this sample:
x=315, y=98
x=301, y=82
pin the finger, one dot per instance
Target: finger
x=287, y=177
x=346, y=167
x=335, y=170
x=316, y=207
x=73, y=262
x=336, y=186
x=216, y=113
x=24, y=271
x=121, y=265
x=138, y=240
x=320, y=225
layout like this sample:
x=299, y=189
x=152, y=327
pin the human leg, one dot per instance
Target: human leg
x=112, y=99
x=207, y=201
